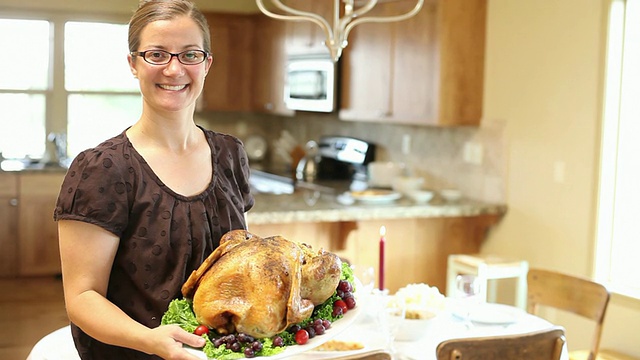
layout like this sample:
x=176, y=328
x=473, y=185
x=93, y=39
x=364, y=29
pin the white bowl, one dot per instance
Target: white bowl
x=382, y=174
x=451, y=195
x=414, y=329
x=421, y=196
x=407, y=184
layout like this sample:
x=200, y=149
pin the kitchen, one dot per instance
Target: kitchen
x=528, y=97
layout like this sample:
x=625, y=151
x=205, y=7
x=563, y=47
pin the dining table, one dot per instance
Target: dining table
x=486, y=319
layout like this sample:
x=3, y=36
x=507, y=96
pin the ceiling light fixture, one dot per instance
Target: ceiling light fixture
x=337, y=32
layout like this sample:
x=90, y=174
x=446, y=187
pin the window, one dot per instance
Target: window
x=24, y=70
x=618, y=233
x=88, y=94
x=102, y=95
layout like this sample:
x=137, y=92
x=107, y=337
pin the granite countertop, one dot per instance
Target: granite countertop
x=291, y=208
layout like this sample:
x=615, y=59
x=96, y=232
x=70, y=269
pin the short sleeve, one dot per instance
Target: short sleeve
x=95, y=191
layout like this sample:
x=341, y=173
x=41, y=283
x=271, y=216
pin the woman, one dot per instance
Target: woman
x=139, y=212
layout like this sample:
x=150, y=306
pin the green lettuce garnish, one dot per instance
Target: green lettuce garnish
x=180, y=312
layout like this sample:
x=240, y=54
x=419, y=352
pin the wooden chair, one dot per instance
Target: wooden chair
x=539, y=345
x=569, y=293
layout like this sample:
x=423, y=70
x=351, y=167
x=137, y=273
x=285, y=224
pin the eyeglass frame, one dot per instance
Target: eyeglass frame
x=171, y=56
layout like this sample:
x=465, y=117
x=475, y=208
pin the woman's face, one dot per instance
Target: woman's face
x=173, y=86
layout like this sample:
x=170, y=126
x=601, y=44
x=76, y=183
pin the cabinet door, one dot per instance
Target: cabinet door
x=228, y=84
x=38, y=247
x=415, y=66
x=8, y=224
x=366, y=71
x=269, y=65
x=306, y=36
x=461, y=41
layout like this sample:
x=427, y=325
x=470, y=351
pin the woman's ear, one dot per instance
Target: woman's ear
x=132, y=66
x=208, y=66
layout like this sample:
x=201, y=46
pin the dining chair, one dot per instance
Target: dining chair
x=540, y=345
x=573, y=294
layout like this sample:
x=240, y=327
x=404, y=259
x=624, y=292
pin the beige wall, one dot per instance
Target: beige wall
x=543, y=79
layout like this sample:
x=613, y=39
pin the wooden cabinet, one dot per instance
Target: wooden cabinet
x=230, y=79
x=416, y=250
x=427, y=70
x=305, y=36
x=269, y=65
x=8, y=224
x=38, y=232
x=28, y=234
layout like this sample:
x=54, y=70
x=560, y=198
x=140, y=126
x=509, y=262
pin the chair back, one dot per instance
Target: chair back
x=573, y=294
x=540, y=345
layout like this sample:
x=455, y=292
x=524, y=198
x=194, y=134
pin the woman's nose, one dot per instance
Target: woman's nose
x=174, y=67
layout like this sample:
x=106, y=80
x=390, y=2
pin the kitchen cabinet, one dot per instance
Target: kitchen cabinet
x=305, y=36
x=38, y=232
x=230, y=79
x=28, y=233
x=416, y=249
x=8, y=224
x=427, y=70
x=269, y=65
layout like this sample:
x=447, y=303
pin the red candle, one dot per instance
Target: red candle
x=383, y=230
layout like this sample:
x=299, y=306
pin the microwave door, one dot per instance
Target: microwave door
x=307, y=85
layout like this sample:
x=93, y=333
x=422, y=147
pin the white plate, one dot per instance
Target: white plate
x=376, y=196
x=335, y=329
x=491, y=314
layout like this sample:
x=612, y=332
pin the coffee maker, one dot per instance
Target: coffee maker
x=344, y=158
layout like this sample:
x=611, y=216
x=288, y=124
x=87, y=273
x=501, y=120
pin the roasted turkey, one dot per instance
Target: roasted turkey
x=260, y=286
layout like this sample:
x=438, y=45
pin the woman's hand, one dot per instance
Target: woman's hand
x=167, y=341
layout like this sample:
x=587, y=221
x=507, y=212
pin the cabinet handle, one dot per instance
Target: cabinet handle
x=13, y=202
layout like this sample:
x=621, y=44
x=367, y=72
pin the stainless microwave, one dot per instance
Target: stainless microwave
x=310, y=83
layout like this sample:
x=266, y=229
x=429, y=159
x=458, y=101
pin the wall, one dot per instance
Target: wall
x=436, y=154
x=543, y=78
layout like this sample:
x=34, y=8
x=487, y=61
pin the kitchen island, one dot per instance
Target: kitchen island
x=418, y=240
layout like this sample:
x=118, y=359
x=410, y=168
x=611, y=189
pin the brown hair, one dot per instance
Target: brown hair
x=154, y=10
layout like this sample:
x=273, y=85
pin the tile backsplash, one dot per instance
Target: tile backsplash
x=471, y=159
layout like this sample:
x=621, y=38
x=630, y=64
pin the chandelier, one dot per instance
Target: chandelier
x=337, y=32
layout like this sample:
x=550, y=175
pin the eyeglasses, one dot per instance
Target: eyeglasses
x=161, y=57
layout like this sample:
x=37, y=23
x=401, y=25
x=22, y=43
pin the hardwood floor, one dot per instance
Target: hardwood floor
x=30, y=308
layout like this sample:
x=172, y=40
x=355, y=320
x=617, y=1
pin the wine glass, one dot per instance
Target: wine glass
x=469, y=293
x=311, y=196
x=366, y=275
x=390, y=317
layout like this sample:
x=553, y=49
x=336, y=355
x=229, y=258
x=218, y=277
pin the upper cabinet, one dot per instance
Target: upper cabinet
x=230, y=80
x=427, y=70
x=305, y=36
x=269, y=66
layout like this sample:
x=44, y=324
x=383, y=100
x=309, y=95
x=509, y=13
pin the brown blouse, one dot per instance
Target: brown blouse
x=164, y=236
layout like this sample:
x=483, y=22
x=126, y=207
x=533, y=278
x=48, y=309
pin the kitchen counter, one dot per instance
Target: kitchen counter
x=419, y=237
x=291, y=208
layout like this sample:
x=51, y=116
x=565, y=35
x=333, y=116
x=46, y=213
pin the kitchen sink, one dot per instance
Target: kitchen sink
x=264, y=182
